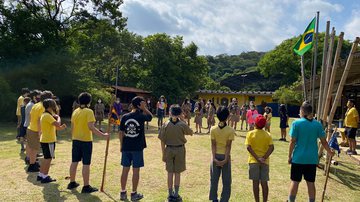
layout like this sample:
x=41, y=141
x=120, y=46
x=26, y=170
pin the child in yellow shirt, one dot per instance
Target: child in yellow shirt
x=49, y=122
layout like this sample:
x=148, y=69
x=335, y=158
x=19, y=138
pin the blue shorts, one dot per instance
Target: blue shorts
x=134, y=158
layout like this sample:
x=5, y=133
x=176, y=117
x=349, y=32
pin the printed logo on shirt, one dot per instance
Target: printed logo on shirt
x=132, y=128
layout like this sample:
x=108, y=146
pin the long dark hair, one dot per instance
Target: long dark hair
x=282, y=109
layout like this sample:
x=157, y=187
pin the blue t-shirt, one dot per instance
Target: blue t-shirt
x=306, y=133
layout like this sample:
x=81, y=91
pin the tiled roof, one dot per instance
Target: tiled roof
x=237, y=92
x=130, y=89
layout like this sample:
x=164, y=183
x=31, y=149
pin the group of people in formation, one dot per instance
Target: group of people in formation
x=39, y=115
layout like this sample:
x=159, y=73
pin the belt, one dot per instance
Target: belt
x=175, y=145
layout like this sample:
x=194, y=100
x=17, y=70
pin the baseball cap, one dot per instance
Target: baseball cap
x=260, y=121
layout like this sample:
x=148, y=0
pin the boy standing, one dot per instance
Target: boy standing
x=34, y=130
x=22, y=128
x=20, y=102
x=172, y=135
x=133, y=142
x=221, y=139
x=260, y=146
x=82, y=128
x=48, y=125
x=303, y=151
x=351, y=124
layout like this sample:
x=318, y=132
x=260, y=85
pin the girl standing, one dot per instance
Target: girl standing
x=284, y=118
x=211, y=116
x=99, y=112
x=186, y=108
x=268, y=116
x=161, y=110
x=198, y=117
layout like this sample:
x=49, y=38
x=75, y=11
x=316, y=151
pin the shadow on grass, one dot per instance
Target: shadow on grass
x=349, y=179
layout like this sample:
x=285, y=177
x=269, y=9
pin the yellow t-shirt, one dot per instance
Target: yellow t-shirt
x=80, y=119
x=350, y=119
x=36, y=111
x=259, y=140
x=20, y=102
x=48, y=130
x=221, y=136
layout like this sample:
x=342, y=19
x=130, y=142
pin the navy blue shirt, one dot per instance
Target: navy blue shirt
x=132, y=124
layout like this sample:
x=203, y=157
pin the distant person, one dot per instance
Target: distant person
x=99, y=112
x=117, y=109
x=149, y=106
x=268, y=116
x=211, y=115
x=303, y=151
x=243, y=110
x=50, y=122
x=22, y=128
x=133, y=143
x=260, y=146
x=34, y=98
x=186, y=109
x=234, y=113
x=351, y=125
x=20, y=102
x=82, y=129
x=34, y=130
x=161, y=110
x=222, y=137
x=284, y=121
x=172, y=136
x=198, y=117
x=251, y=115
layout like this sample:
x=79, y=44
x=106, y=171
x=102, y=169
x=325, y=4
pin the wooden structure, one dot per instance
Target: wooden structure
x=126, y=94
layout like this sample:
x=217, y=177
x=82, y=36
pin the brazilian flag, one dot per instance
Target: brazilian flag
x=305, y=42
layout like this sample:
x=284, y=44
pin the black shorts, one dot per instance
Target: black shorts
x=48, y=150
x=82, y=151
x=22, y=131
x=351, y=132
x=306, y=170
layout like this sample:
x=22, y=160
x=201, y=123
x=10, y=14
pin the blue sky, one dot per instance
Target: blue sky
x=235, y=26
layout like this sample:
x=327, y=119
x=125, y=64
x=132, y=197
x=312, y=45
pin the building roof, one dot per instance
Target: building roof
x=130, y=89
x=265, y=93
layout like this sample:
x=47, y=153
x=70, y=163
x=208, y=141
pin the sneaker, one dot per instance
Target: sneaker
x=123, y=196
x=349, y=152
x=353, y=153
x=33, y=168
x=72, y=185
x=171, y=198
x=37, y=164
x=38, y=178
x=88, y=189
x=47, y=179
x=136, y=196
x=215, y=200
x=178, y=198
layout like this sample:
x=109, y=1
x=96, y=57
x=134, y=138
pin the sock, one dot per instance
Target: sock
x=170, y=191
x=176, y=191
x=292, y=198
x=41, y=175
x=123, y=191
x=311, y=200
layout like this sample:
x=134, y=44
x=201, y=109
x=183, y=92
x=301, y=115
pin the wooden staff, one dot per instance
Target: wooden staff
x=323, y=72
x=326, y=179
x=106, y=152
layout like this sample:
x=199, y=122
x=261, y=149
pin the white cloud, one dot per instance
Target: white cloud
x=352, y=28
x=226, y=26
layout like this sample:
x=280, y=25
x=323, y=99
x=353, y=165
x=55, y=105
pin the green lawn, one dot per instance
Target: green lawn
x=17, y=185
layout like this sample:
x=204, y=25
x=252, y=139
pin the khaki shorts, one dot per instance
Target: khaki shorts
x=33, y=139
x=258, y=171
x=175, y=159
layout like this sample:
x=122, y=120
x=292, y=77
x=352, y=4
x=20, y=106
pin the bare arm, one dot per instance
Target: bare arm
x=251, y=151
x=269, y=152
x=326, y=146
x=57, y=123
x=227, y=151
x=291, y=149
x=96, y=131
x=121, y=137
x=213, y=149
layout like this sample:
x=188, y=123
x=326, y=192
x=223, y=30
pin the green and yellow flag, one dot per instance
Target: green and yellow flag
x=305, y=42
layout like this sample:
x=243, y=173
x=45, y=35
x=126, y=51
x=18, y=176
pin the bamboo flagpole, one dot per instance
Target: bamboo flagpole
x=303, y=76
x=323, y=72
x=333, y=75
x=328, y=69
x=315, y=60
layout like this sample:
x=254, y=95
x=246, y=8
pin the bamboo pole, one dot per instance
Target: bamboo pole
x=328, y=69
x=332, y=78
x=303, y=76
x=323, y=71
x=315, y=61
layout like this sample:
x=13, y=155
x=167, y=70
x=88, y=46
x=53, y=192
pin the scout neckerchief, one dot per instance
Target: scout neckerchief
x=222, y=125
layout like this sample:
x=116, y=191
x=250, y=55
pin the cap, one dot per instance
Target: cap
x=260, y=121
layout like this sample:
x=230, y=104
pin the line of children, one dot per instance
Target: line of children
x=172, y=136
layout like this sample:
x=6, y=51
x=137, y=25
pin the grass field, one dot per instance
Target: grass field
x=17, y=185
